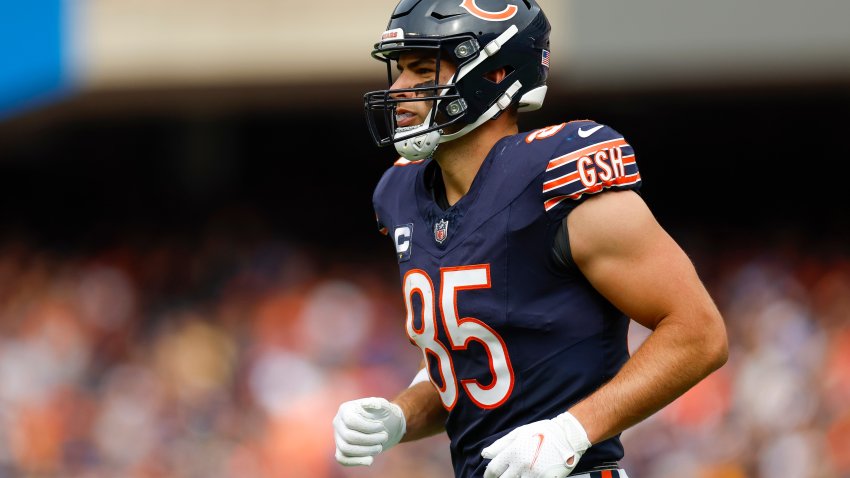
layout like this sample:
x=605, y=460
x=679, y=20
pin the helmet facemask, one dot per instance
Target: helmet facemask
x=447, y=106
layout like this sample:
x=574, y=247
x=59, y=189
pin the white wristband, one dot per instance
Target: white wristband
x=422, y=376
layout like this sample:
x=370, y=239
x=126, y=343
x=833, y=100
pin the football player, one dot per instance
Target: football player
x=523, y=257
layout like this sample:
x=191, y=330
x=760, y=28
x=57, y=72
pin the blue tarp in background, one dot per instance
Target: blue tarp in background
x=33, y=59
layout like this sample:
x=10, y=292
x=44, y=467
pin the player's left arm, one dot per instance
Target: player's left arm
x=632, y=261
x=627, y=256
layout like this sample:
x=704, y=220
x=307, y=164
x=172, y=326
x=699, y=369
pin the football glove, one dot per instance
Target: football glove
x=542, y=449
x=365, y=427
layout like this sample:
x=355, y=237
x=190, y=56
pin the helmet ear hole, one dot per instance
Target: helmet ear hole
x=498, y=75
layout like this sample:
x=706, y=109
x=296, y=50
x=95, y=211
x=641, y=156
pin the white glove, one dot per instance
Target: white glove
x=365, y=427
x=542, y=449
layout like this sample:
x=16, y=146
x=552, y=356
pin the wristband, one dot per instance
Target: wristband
x=422, y=376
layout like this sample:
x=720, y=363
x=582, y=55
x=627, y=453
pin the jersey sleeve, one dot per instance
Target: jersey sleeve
x=382, y=228
x=378, y=200
x=590, y=158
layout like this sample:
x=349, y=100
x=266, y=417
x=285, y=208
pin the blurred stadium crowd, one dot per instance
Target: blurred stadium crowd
x=227, y=356
x=225, y=353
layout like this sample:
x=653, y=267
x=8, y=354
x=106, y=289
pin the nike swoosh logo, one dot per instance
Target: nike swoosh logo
x=585, y=134
x=540, y=437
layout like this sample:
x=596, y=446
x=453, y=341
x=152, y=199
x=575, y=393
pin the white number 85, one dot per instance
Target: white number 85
x=460, y=331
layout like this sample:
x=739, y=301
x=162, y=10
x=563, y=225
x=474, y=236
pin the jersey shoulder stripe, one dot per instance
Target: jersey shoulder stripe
x=406, y=162
x=589, y=158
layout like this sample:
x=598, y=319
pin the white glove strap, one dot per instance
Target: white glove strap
x=396, y=422
x=573, y=432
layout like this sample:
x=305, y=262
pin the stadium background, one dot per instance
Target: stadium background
x=190, y=276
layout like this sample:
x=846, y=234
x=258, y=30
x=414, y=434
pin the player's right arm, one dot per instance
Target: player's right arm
x=366, y=427
x=422, y=409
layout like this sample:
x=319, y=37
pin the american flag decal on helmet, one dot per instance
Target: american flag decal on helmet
x=545, y=59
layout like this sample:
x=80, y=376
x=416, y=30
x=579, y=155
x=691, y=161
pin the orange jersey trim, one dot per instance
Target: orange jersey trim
x=570, y=157
x=620, y=181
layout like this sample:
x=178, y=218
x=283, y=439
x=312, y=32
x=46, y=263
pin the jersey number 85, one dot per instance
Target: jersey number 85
x=460, y=332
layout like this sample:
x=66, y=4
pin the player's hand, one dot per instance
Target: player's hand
x=542, y=449
x=365, y=427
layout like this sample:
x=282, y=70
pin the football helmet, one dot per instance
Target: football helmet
x=477, y=36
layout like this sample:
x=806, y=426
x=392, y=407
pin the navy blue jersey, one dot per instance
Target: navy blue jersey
x=509, y=337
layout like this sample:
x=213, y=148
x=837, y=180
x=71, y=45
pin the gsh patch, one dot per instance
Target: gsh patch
x=441, y=231
x=403, y=240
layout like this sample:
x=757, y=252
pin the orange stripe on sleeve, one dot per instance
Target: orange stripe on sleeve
x=550, y=203
x=558, y=182
x=621, y=181
x=570, y=157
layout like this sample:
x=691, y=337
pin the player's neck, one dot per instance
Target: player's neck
x=461, y=159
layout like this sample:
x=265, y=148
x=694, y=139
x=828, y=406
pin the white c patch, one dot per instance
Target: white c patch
x=403, y=240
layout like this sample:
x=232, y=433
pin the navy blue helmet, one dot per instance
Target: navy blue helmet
x=478, y=36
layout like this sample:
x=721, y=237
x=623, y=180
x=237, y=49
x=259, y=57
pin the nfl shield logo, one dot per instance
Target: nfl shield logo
x=441, y=231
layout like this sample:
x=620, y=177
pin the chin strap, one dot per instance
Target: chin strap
x=417, y=147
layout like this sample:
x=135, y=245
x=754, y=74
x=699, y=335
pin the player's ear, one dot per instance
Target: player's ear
x=497, y=75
